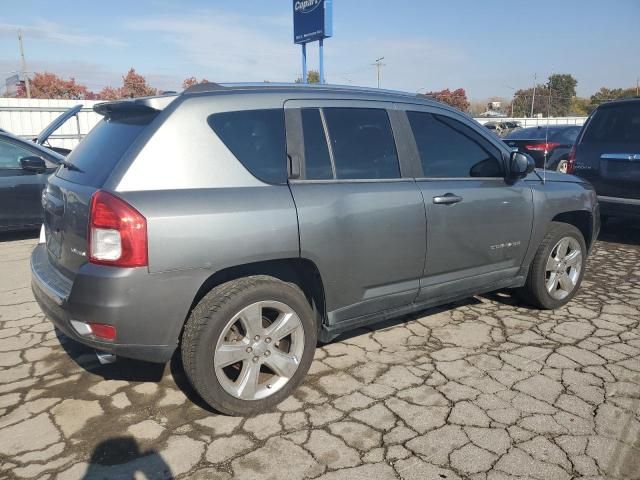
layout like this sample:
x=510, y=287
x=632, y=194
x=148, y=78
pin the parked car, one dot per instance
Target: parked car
x=607, y=154
x=24, y=169
x=549, y=146
x=502, y=128
x=242, y=224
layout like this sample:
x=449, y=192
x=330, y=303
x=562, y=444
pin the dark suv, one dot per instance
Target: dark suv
x=607, y=153
x=242, y=224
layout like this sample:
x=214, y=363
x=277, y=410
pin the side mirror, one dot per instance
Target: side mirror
x=33, y=164
x=520, y=165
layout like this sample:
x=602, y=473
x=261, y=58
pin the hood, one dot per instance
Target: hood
x=56, y=124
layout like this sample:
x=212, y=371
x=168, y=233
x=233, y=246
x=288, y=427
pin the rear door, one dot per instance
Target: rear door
x=361, y=215
x=608, y=151
x=478, y=224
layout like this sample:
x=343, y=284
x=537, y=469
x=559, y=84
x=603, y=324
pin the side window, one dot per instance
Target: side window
x=316, y=152
x=257, y=139
x=362, y=143
x=450, y=149
x=11, y=154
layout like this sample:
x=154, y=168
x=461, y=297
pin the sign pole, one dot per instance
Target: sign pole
x=304, y=63
x=321, y=46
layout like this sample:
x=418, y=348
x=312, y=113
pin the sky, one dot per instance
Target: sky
x=488, y=47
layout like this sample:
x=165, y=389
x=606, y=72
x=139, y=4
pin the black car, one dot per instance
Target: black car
x=607, y=154
x=25, y=166
x=24, y=169
x=549, y=146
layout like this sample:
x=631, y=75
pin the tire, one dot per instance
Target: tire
x=562, y=165
x=539, y=290
x=222, y=328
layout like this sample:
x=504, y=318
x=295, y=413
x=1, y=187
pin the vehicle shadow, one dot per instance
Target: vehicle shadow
x=121, y=458
x=620, y=230
x=20, y=235
x=124, y=369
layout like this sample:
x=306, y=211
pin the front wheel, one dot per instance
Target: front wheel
x=557, y=268
x=248, y=344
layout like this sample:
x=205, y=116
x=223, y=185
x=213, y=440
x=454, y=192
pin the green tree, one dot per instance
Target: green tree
x=313, y=76
x=522, y=101
x=608, y=94
x=562, y=88
x=579, y=107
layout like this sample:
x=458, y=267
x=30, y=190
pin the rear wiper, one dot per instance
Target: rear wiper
x=70, y=166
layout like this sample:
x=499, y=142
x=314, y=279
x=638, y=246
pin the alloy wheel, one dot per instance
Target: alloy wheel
x=259, y=350
x=563, y=268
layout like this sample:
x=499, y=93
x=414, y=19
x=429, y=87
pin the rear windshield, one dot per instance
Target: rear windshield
x=99, y=152
x=619, y=124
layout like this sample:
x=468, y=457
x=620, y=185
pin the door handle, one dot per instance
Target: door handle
x=447, y=199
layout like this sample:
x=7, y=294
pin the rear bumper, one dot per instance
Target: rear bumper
x=619, y=207
x=147, y=310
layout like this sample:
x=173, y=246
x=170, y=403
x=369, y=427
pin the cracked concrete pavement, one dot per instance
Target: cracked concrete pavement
x=482, y=389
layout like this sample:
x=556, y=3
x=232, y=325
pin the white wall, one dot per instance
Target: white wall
x=27, y=117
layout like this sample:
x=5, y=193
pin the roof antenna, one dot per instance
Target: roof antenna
x=546, y=138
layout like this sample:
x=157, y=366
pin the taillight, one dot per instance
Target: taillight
x=571, y=160
x=117, y=232
x=103, y=331
x=542, y=147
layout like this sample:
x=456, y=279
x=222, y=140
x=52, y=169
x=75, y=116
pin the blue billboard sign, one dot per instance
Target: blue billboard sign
x=311, y=20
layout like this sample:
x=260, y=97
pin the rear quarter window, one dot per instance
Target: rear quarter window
x=257, y=139
x=99, y=152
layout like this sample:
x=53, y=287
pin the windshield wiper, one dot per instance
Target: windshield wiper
x=70, y=166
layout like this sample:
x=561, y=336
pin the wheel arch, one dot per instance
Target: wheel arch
x=582, y=220
x=300, y=271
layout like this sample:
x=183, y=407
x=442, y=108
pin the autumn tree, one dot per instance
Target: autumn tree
x=191, y=81
x=49, y=85
x=457, y=98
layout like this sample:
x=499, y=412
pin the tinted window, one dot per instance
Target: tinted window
x=256, y=138
x=619, y=124
x=362, y=143
x=567, y=135
x=11, y=154
x=99, y=152
x=316, y=152
x=450, y=149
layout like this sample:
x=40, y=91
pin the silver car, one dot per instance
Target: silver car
x=242, y=224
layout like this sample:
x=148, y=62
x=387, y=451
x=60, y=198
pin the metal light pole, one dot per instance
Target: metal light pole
x=379, y=66
x=533, y=97
x=24, y=65
x=304, y=63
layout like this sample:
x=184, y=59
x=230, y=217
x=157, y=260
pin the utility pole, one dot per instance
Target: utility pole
x=637, y=86
x=533, y=97
x=379, y=66
x=24, y=64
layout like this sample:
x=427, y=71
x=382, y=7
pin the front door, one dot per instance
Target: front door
x=361, y=218
x=20, y=190
x=478, y=224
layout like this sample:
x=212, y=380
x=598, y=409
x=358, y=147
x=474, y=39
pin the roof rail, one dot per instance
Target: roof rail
x=213, y=87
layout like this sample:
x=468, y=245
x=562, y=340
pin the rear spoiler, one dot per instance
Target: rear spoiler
x=140, y=106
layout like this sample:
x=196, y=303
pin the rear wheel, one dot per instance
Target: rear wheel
x=562, y=165
x=248, y=344
x=557, y=269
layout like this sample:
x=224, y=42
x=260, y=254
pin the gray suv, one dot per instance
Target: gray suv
x=242, y=224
